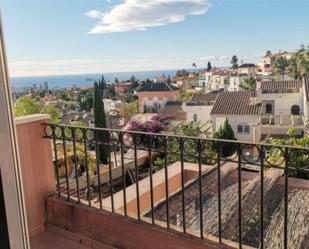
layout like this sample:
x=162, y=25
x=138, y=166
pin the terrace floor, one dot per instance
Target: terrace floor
x=51, y=240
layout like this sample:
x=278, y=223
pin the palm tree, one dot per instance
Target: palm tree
x=299, y=65
x=280, y=66
x=304, y=63
x=292, y=68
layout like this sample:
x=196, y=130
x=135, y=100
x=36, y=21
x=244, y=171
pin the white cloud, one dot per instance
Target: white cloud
x=83, y=66
x=137, y=15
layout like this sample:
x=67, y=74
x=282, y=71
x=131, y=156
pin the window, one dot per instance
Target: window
x=295, y=110
x=243, y=128
x=269, y=108
x=195, y=117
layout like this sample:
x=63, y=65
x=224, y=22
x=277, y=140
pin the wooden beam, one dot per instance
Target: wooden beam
x=304, y=121
x=292, y=120
x=260, y=120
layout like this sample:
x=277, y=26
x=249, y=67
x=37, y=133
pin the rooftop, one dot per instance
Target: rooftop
x=174, y=108
x=235, y=103
x=204, y=97
x=247, y=65
x=281, y=85
x=158, y=87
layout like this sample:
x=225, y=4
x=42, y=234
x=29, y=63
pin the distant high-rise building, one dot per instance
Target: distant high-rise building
x=46, y=86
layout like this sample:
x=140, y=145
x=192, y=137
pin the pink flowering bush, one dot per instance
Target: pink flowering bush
x=157, y=124
x=164, y=119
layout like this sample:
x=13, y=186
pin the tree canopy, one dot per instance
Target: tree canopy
x=299, y=158
x=52, y=111
x=182, y=73
x=280, y=65
x=85, y=100
x=226, y=132
x=234, y=62
x=209, y=66
x=25, y=105
x=249, y=84
x=296, y=67
x=100, y=122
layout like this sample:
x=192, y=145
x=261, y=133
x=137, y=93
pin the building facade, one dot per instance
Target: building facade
x=154, y=96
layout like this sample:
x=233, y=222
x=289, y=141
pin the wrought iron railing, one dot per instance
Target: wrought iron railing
x=219, y=155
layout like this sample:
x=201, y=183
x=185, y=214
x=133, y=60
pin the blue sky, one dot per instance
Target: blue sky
x=54, y=37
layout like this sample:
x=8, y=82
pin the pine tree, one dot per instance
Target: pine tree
x=100, y=122
x=234, y=62
x=226, y=132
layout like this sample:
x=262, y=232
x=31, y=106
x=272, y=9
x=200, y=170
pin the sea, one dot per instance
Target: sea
x=67, y=81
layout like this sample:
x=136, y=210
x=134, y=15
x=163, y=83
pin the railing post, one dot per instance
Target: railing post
x=166, y=184
x=262, y=197
x=286, y=193
x=219, y=190
x=199, y=149
x=239, y=152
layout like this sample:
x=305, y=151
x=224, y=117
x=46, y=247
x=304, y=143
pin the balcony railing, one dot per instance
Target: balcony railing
x=228, y=190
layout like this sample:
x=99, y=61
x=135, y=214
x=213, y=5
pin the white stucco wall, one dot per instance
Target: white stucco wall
x=202, y=112
x=155, y=100
x=234, y=121
x=284, y=102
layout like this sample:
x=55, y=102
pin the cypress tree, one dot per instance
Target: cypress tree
x=209, y=66
x=226, y=132
x=100, y=122
x=169, y=80
x=102, y=85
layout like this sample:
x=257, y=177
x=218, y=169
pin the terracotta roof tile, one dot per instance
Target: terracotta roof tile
x=235, y=103
x=281, y=85
x=158, y=87
x=174, y=108
x=204, y=97
x=247, y=65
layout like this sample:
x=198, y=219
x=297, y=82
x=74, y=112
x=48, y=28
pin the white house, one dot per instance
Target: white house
x=220, y=80
x=235, y=81
x=153, y=96
x=208, y=78
x=199, y=107
x=247, y=68
x=271, y=111
x=202, y=79
x=240, y=112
